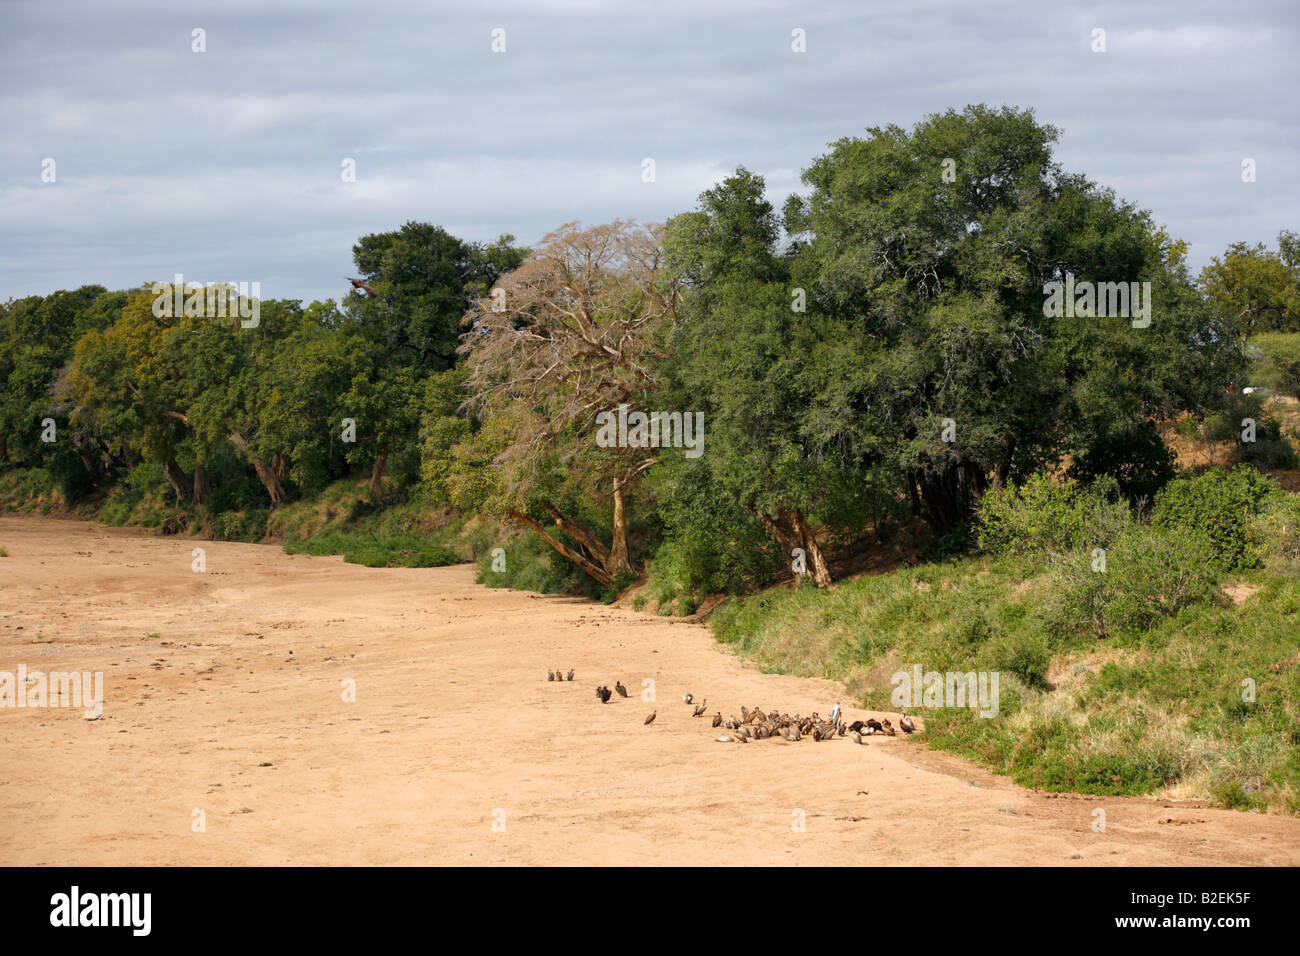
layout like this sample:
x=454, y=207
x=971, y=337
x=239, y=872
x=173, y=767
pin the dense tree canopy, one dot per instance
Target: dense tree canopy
x=897, y=338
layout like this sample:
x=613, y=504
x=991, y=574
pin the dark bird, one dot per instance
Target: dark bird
x=873, y=726
x=699, y=711
x=550, y=675
x=905, y=722
x=717, y=719
x=857, y=726
x=569, y=676
x=360, y=284
x=604, y=694
x=651, y=719
x=618, y=686
x=888, y=728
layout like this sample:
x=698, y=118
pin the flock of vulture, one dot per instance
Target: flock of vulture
x=757, y=725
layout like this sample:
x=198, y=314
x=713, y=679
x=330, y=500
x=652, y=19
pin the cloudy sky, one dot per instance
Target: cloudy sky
x=226, y=164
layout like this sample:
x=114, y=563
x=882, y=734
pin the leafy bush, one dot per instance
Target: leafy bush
x=1044, y=515
x=710, y=545
x=1278, y=365
x=1270, y=449
x=1278, y=527
x=1136, y=457
x=1223, y=506
x=141, y=481
x=20, y=486
x=956, y=543
x=530, y=565
x=685, y=564
x=70, y=474
x=239, y=494
x=247, y=526
x=1148, y=574
x=1023, y=653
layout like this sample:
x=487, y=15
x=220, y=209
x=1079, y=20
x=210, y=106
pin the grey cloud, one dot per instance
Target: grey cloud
x=227, y=162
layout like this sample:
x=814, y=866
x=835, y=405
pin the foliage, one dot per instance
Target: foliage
x=1222, y=507
x=1278, y=363
x=1043, y=515
x=1148, y=575
x=1258, y=288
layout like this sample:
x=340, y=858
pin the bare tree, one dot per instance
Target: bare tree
x=578, y=329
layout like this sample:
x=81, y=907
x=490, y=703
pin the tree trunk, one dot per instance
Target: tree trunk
x=591, y=567
x=579, y=532
x=265, y=473
x=377, y=474
x=618, y=557
x=791, y=531
x=201, y=486
x=177, y=479
x=948, y=496
x=820, y=572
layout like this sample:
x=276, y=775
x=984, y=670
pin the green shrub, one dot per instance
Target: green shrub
x=249, y=526
x=1023, y=653
x=142, y=481
x=1043, y=515
x=1278, y=365
x=70, y=475
x=1222, y=506
x=239, y=494
x=1270, y=449
x=22, y=486
x=1278, y=528
x=1149, y=574
x=531, y=565
x=956, y=543
x=1136, y=457
x=711, y=545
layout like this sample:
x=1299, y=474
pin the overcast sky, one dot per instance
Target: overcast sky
x=225, y=165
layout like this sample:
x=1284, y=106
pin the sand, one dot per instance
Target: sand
x=226, y=739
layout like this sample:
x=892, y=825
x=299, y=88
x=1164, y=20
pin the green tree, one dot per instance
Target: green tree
x=1257, y=287
x=936, y=247
x=424, y=279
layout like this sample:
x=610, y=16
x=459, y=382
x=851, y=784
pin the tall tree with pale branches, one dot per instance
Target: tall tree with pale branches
x=578, y=329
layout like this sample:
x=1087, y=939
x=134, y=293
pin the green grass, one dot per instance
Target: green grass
x=341, y=521
x=26, y=489
x=1138, y=712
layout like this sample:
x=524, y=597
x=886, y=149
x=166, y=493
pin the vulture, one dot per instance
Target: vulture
x=360, y=284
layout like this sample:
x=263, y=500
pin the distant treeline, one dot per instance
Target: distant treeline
x=879, y=350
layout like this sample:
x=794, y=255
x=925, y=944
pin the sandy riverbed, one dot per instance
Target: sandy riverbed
x=236, y=710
